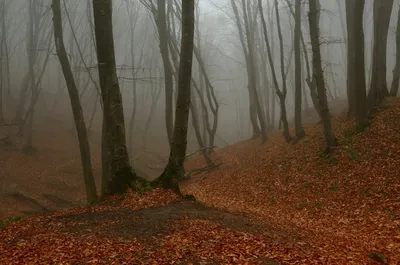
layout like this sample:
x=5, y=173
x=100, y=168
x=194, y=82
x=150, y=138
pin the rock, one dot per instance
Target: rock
x=378, y=257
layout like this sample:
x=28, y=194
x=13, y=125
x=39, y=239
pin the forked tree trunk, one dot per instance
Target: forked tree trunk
x=174, y=169
x=280, y=94
x=84, y=148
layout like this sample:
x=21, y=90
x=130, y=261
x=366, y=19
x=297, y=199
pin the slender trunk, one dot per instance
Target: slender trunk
x=313, y=20
x=90, y=185
x=297, y=68
x=280, y=94
x=358, y=64
x=161, y=21
x=351, y=49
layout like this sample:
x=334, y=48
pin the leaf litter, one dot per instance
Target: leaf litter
x=267, y=204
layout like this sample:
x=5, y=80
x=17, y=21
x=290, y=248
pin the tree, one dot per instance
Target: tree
x=120, y=174
x=396, y=71
x=174, y=169
x=350, y=59
x=84, y=148
x=298, y=76
x=246, y=40
x=281, y=93
x=313, y=20
x=378, y=89
x=356, y=61
x=161, y=22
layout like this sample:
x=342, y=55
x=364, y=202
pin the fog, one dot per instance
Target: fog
x=140, y=67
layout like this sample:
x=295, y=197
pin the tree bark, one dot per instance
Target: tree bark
x=174, y=169
x=297, y=69
x=313, y=20
x=161, y=22
x=280, y=94
x=120, y=173
x=351, y=49
x=378, y=89
x=84, y=148
x=396, y=71
x=357, y=62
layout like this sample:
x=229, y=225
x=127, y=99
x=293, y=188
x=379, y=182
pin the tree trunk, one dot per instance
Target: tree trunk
x=161, y=22
x=174, y=169
x=319, y=75
x=246, y=51
x=351, y=49
x=121, y=174
x=378, y=89
x=90, y=185
x=357, y=62
x=280, y=94
x=396, y=71
x=298, y=76
x=252, y=75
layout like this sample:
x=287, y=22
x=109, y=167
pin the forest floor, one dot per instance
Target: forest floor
x=275, y=203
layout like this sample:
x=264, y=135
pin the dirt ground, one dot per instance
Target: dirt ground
x=147, y=225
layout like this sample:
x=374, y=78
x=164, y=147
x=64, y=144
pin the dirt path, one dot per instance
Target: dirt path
x=148, y=226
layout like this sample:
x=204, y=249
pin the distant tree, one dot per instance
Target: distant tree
x=246, y=36
x=281, y=93
x=298, y=76
x=120, y=174
x=350, y=56
x=90, y=185
x=379, y=90
x=396, y=71
x=174, y=170
x=161, y=22
x=313, y=20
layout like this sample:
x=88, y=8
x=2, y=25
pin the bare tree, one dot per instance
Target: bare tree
x=378, y=89
x=161, y=22
x=356, y=61
x=394, y=88
x=249, y=67
x=298, y=76
x=313, y=20
x=90, y=185
x=116, y=163
x=281, y=94
x=174, y=169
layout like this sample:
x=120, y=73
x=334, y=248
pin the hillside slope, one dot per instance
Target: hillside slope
x=345, y=205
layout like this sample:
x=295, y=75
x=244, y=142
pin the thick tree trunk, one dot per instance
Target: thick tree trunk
x=378, y=89
x=319, y=75
x=174, y=169
x=84, y=148
x=396, y=71
x=298, y=76
x=357, y=62
x=121, y=174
